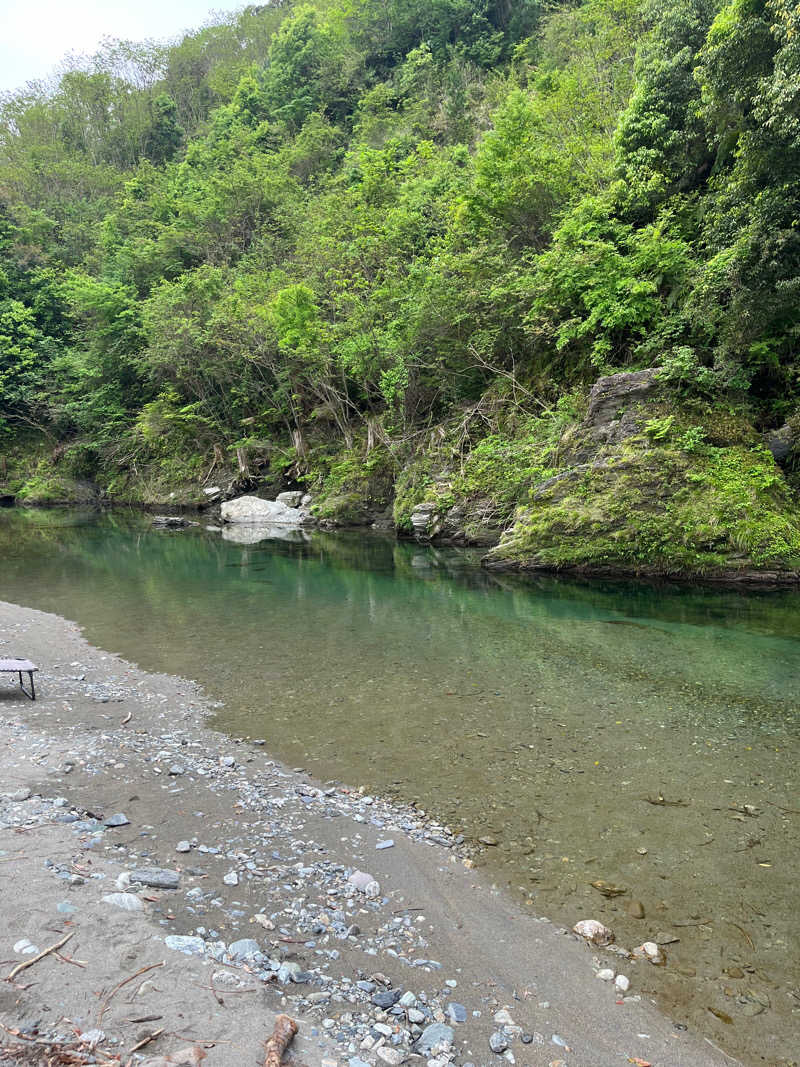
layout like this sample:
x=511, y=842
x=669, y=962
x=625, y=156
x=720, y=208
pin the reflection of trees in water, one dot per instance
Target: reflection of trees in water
x=717, y=656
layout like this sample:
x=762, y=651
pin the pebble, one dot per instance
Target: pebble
x=593, y=930
x=156, y=877
x=227, y=761
x=176, y=770
x=433, y=1036
x=231, y=878
x=183, y=846
x=365, y=883
x=19, y=795
x=244, y=949
x=606, y=975
x=650, y=951
x=635, y=909
x=117, y=820
x=498, y=1042
x=188, y=945
x=457, y=1012
x=408, y=1000
x=386, y=998
x=622, y=983
x=25, y=947
x=385, y=844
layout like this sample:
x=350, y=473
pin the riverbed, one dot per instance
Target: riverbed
x=641, y=737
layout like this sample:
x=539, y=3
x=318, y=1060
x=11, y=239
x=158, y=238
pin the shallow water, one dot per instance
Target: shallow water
x=545, y=714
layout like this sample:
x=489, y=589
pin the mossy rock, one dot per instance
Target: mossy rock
x=653, y=507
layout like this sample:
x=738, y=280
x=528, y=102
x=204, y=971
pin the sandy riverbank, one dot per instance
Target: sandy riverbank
x=257, y=839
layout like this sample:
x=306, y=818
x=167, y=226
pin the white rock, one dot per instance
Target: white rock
x=622, y=984
x=25, y=947
x=231, y=878
x=126, y=901
x=606, y=975
x=252, y=509
x=650, y=951
x=594, y=931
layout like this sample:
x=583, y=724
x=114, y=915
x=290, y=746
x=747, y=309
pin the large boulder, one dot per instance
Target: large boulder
x=252, y=509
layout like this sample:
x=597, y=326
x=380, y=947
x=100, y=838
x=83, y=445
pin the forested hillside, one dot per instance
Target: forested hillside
x=382, y=249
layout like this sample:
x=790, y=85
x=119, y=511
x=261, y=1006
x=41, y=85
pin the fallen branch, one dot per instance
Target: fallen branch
x=29, y=963
x=125, y=981
x=282, y=1034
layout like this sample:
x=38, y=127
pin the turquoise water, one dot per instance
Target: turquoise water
x=545, y=713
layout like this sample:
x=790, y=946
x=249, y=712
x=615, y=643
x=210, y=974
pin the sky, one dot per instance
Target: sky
x=36, y=34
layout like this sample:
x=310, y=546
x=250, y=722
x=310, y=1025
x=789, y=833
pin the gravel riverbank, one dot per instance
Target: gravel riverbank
x=207, y=888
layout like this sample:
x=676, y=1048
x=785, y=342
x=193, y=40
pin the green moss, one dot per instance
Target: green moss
x=657, y=507
x=351, y=488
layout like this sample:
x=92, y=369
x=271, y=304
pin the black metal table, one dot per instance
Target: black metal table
x=20, y=667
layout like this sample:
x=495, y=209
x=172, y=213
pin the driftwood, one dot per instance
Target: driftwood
x=284, y=1031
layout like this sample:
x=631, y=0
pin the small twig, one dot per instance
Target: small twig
x=127, y=719
x=146, y=1040
x=29, y=963
x=789, y=811
x=69, y=959
x=744, y=934
x=119, y=985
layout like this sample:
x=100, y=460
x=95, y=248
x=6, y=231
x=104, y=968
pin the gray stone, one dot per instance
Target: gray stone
x=287, y=971
x=156, y=877
x=188, y=945
x=433, y=1035
x=389, y=843
x=498, y=1042
x=408, y=1000
x=231, y=878
x=781, y=442
x=227, y=761
x=183, y=846
x=244, y=948
x=386, y=998
x=117, y=820
x=292, y=499
x=457, y=1012
x=177, y=770
x=19, y=795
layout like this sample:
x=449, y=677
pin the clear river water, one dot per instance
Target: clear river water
x=642, y=736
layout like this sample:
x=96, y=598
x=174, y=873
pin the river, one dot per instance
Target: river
x=643, y=736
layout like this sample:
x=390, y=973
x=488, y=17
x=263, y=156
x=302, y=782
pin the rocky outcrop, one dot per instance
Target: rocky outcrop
x=653, y=484
x=254, y=510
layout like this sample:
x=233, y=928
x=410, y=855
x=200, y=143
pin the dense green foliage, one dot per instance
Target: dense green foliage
x=316, y=228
